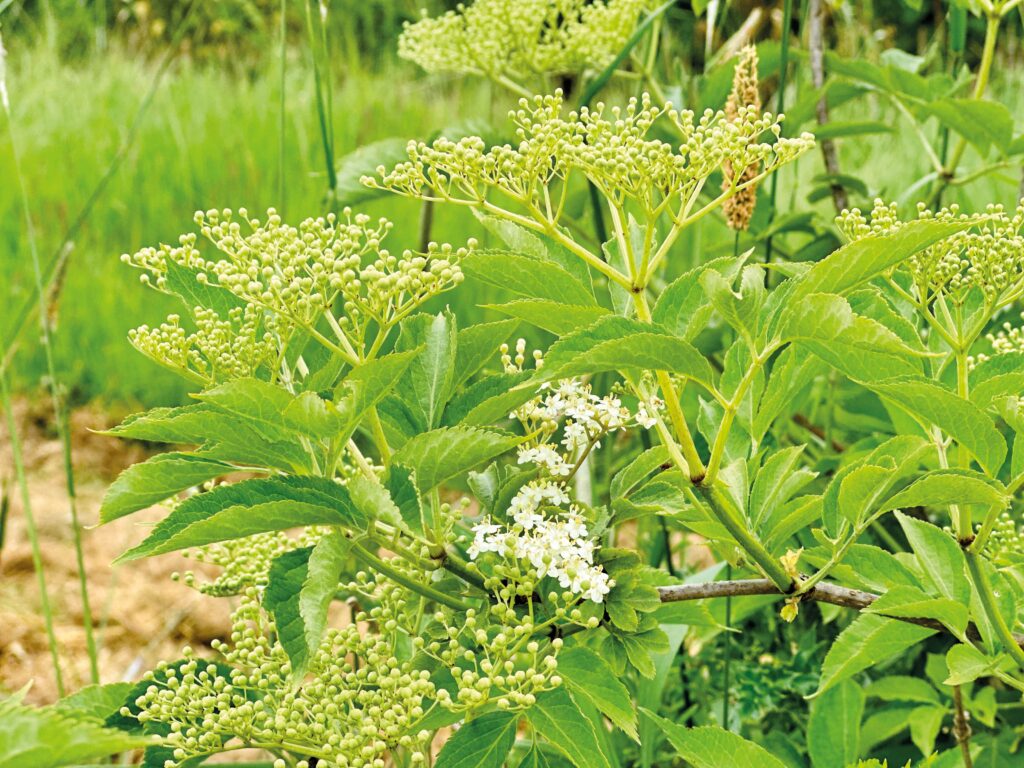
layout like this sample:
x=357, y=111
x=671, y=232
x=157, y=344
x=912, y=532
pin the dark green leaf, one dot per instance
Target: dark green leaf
x=712, y=747
x=589, y=676
x=833, y=730
x=443, y=454
x=867, y=641
x=157, y=479
x=251, y=506
x=557, y=718
x=483, y=742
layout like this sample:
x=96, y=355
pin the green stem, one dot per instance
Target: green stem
x=988, y=603
x=984, y=71
x=33, y=533
x=456, y=565
x=381, y=566
x=787, y=21
x=59, y=412
x=962, y=512
x=728, y=515
x=694, y=466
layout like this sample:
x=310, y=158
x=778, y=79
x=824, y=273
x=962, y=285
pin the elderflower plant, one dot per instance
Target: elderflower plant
x=282, y=281
x=516, y=40
x=987, y=257
x=608, y=146
x=358, y=704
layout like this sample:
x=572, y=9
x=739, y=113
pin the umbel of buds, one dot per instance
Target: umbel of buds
x=987, y=256
x=612, y=147
x=516, y=39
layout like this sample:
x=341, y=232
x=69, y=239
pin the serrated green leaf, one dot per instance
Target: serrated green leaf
x=401, y=485
x=741, y=307
x=94, y=702
x=366, y=385
x=712, y=747
x=557, y=317
x=156, y=479
x=776, y=482
x=251, y=506
x=966, y=664
x=489, y=400
x=50, y=738
x=443, y=454
x=526, y=276
x=960, y=418
x=272, y=411
x=618, y=343
x=858, y=262
x=325, y=566
x=859, y=347
x=910, y=602
x=430, y=377
x=981, y=121
x=941, y=558
x=833, y=729
x=181, y=280
x=942, y=487
x=478, y=345
x=483, y=742
x=590, y=677
x=557, y=718
x=867, y=641
x=285, y=578
x=902, y=688
x=683, y=307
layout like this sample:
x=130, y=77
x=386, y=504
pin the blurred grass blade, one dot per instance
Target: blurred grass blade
x=602, y=79
x=59, y=411
x=32, y=531
x=326, y=119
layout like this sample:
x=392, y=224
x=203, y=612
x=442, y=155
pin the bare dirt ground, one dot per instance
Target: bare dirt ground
x=140, y=615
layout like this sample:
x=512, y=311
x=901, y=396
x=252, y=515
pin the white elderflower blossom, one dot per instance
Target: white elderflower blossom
x=543, y=527
x=550, y=533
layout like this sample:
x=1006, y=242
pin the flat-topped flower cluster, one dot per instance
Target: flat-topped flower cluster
x=521, y=38
x=611, y=147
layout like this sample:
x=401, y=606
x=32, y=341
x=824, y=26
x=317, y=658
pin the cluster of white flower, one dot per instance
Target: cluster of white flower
x=551, y=534
x=544, y=528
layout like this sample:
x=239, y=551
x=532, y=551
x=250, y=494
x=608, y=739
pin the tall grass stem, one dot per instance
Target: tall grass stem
x=59, y=409
x=780, y=108
x=33, y=533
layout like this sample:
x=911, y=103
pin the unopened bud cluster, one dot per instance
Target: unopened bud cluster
x=245, y=562
x=988, y=256
x=218, y=350
x=1006, y=541
x=494, y=657
x=356, y=706
x=285, y=278
x=609, y=146
x=518, y=39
